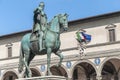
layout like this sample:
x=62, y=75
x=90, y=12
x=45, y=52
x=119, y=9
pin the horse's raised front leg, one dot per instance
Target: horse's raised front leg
x=48, y=60
x=58, y=53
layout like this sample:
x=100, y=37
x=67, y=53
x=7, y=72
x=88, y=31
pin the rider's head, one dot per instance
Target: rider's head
x=41, y=4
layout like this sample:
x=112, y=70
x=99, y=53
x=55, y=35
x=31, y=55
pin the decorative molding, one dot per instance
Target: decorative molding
x=110, y=26
x=74, y=48
x=107, y=53
x=89, y=55
x=93, y=45
x=9, y=45
x=40, y=62
x=9, y=58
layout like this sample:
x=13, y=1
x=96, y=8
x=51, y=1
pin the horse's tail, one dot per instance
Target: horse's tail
x=21, y=61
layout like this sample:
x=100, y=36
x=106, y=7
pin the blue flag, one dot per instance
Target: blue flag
x=87, y=37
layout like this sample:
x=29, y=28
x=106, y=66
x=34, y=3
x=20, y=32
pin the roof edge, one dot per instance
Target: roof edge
x=70, y=22
x=96, y=17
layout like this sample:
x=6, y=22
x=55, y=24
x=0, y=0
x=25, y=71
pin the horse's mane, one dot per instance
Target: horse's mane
x=54, y=18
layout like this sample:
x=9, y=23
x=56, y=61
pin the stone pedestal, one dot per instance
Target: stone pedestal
x=44, y=78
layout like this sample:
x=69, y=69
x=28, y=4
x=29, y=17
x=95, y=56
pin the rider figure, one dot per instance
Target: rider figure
x=39, y=27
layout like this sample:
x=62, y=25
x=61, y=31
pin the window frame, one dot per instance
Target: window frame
x=112, y=36
x=9, y=50
x=111, y=31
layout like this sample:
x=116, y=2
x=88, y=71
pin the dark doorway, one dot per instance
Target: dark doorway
x=10, y=76
x=84, y=71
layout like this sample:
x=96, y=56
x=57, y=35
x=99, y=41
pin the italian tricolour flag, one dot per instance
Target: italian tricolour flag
x=82, y=37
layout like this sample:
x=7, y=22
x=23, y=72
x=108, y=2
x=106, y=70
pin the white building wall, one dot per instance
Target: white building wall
x=16, y=49
x=3, y=51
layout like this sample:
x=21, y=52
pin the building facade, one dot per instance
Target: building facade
x=101, y=60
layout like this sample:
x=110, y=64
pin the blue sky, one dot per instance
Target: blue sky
x=17, y=15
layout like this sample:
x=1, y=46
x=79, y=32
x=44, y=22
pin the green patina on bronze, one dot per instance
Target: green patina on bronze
x=44, y=39
x=40, y=25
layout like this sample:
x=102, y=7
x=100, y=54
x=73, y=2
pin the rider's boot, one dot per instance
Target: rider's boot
x=43, y=44
x=40, y=44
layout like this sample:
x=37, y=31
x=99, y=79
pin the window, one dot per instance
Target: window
x=9, y=49
x=111, y=35
x=111, y=32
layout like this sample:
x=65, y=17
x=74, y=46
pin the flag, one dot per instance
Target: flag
x=87, y=37
x=82, y=37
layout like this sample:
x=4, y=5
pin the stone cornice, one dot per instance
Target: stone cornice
x=37, y=62
x=103, y=44
x=89, y=55
x=107, y=53
x=93, y=45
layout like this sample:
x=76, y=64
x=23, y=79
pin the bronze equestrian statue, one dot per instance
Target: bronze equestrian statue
x=32, y=45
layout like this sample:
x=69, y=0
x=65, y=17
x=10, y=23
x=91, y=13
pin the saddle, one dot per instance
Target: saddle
x=34, y=42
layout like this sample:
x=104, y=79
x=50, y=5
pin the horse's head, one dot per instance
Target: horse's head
x=63, y=21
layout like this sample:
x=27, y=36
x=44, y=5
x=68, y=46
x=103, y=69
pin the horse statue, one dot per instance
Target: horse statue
x=51, y=43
